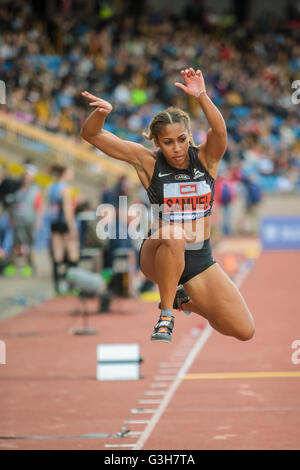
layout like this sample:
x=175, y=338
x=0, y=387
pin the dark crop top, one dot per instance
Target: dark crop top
x=178, y=195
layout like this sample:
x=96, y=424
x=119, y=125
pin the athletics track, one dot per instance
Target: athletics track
x=204, y=391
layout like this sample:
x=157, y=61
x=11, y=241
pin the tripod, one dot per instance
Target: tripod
x=83, y=296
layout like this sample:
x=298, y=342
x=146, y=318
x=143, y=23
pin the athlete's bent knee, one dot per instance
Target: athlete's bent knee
x=174, y=238
x=246, y=334
x=175, y=245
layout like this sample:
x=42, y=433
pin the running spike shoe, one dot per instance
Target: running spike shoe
x=163, y=329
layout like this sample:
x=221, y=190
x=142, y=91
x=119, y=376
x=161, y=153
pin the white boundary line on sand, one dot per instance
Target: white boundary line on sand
x=181, y=373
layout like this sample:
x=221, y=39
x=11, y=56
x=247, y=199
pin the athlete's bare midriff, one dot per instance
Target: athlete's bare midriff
x=200, y=229
x=195, y=231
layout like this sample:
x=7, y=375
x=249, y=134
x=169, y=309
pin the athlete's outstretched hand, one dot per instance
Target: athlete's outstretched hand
x=104, y=106
x=194, y=82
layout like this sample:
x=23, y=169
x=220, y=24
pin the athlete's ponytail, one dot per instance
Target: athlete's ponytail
x=169, y=116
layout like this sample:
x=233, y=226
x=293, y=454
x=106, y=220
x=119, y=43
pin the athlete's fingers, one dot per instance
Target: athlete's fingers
x=88, y=95
x=180, y=85
x=100, y=106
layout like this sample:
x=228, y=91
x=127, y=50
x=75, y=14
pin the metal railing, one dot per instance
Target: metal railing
x=63, y=148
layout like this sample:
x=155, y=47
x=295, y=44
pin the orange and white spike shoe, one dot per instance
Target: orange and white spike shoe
x=163, y=329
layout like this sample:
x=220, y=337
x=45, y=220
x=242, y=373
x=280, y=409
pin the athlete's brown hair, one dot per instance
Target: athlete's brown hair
x=169, y=116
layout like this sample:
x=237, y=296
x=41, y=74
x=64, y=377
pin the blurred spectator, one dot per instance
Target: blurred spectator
x=64, y=248
x=83, y=208
x=253, y=197
x=111, y=196
x=119, y=239
x=27, y=216
x=225, y=193
x=8, y=187
x=90, y=245
x=6, y=240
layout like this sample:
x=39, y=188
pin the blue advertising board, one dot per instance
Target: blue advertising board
x=280, y=233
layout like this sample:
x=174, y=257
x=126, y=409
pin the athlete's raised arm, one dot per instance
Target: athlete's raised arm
x=92, y=131
x=216, y=142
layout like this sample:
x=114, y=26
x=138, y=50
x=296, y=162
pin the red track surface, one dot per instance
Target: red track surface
x=49, y=386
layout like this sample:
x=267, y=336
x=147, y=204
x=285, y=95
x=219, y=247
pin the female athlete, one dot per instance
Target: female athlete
x=179, y=179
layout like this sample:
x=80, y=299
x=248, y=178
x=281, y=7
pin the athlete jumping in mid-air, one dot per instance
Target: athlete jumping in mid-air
x=180, y=178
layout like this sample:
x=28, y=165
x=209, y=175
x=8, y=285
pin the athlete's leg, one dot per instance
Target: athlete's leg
x=192, y=307
x=30, y=229
x=162, y=261
x=216, y=297
x=57, y=246
x=71, y=247
x=57, y=256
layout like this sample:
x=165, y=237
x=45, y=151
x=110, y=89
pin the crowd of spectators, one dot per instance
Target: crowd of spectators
x=133, y=58
x=33, y=218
